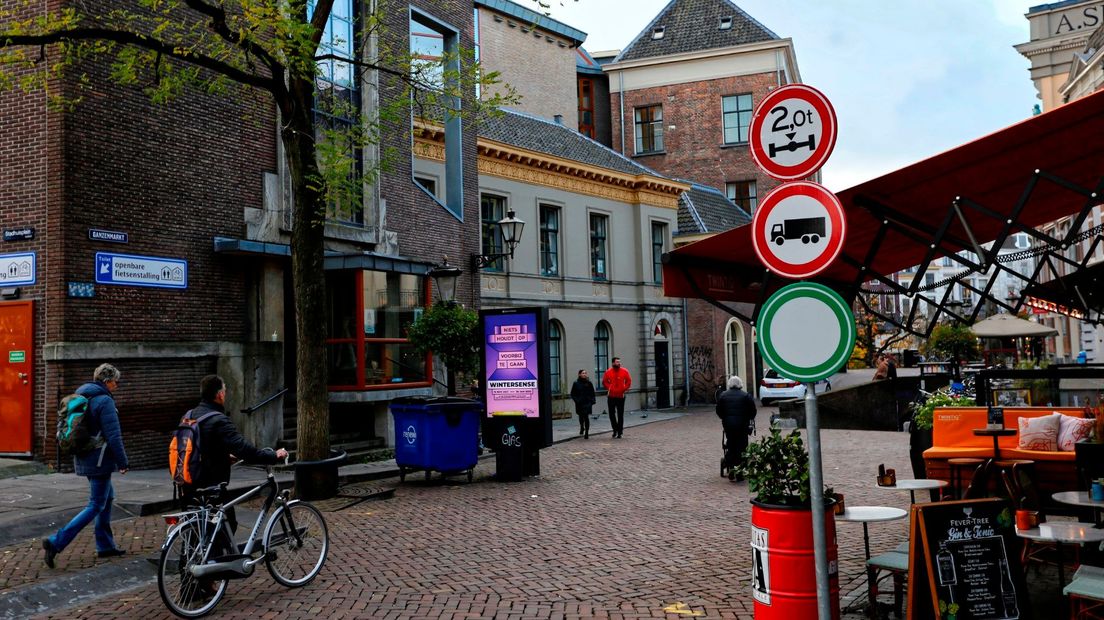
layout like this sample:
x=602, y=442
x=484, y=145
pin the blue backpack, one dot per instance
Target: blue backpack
x=74, y=426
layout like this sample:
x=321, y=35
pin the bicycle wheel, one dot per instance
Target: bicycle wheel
x=182, y=593
x=296, y=542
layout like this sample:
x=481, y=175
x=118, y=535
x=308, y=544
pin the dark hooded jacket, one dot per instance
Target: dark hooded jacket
x=103, y=421
x=218, y=439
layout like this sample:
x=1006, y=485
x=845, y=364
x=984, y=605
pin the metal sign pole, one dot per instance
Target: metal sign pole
x=816, y=488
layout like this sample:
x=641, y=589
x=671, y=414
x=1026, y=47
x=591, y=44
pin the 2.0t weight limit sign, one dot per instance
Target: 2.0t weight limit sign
x=793, y=131
x=799, y=229
x=806, y=332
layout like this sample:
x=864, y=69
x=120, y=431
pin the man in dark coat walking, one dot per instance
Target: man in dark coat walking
x=736, y=409
x=582, y=392
x=96, y=465
x=220, y=440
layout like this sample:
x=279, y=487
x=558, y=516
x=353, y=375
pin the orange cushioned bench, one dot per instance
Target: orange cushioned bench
x=953, y=437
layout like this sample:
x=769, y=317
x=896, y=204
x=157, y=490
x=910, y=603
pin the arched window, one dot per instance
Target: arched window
x=734, y=350
x=555, y=356
x=601, y=350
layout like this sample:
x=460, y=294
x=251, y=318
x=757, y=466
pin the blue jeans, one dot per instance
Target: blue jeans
x=98, y=508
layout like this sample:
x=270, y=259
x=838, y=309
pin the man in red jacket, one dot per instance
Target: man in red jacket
x=617, y=381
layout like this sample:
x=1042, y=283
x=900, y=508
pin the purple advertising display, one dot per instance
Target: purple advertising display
x=511, y=365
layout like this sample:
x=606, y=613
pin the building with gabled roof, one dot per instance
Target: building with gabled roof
x=682, y=94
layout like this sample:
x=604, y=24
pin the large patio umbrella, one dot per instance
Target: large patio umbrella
x=1008, y=326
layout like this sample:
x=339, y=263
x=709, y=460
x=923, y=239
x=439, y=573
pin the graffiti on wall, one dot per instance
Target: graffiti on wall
x=703, y=380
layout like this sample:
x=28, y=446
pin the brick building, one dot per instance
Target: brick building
x=199, y=186
x=511, y=37
x=682, y=94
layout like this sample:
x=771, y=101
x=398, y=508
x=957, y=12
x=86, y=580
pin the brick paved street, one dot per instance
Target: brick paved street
x=614, y=528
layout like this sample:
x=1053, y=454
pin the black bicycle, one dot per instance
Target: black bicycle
x=199, y=556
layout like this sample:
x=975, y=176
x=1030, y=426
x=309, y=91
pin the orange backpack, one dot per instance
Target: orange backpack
x=184, y=457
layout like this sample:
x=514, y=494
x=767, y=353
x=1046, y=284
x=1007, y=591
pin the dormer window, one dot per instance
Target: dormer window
x=657, y=33
x=725, y=24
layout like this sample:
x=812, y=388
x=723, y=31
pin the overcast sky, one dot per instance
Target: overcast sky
x=908, y=78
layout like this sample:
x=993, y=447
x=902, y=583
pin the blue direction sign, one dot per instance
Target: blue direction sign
x=17, y=269
x=131, y=270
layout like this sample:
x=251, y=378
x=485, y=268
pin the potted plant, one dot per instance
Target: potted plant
x=920, y=430
x=777, y=470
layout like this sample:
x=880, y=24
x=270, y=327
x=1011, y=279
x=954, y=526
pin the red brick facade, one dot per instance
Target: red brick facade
x=173, y=177
x=694, y=149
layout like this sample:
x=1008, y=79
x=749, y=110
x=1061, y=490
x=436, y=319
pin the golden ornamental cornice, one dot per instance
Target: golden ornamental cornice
x=497, y=159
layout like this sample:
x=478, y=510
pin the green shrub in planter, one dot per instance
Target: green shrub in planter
x=922, y=415
x=777, y=469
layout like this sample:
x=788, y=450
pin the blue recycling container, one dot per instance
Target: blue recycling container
x=436, y=434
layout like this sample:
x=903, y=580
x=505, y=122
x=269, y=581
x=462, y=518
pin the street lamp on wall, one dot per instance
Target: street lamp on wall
x=510, y=228
x=445, y=278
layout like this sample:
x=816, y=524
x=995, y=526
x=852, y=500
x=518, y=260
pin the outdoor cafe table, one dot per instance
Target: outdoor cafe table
x=866, y=515
x=912, y=486
x=1059, y=533
x=1080, y=498
x=995, y=433
x=871, y=514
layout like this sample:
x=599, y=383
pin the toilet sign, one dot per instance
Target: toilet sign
x=793, y=131
x=133, y=270
x=806, y=332
x=799, y=229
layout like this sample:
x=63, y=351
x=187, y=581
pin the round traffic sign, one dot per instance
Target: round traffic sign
x=806, y=332
x=793, y=131
x=798, y=229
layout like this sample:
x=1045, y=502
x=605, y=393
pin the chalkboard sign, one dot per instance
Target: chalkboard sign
x=964, y=562
x=996, y=417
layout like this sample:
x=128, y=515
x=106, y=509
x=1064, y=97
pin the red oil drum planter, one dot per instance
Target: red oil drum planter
x=784, y=570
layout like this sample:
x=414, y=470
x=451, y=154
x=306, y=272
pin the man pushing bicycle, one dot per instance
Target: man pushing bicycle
x=220, y=442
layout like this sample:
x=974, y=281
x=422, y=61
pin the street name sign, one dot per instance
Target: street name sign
x=113, y=236
x=793, y=131
x=131, y=270
x=806, y=332
x=799, y=229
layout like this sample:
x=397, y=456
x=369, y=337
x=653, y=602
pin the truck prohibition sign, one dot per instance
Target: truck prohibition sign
x=808, y=229
x=793, y=212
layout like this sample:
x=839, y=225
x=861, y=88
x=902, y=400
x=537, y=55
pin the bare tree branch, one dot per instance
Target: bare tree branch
x=219, y=26
x=137, y=40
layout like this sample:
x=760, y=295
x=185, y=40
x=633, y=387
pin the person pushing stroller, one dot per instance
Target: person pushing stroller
x=736, y=409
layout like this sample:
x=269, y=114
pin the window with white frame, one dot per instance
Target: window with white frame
x=599, y=265
x=736, y=113
x=659, y=245
x=555, y=356
x=492, y=209
x=549, y=240
x=601, y=350
x=744, y=194
x=649, y=129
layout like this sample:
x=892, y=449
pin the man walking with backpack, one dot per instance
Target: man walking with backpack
x=218, y=440
x=96, y=455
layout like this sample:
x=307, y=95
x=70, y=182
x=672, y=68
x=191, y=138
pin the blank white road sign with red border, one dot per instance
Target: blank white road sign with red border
x=798, y=229
x=793, y=131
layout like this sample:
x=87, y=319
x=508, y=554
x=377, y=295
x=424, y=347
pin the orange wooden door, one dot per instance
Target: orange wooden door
x=16, y=376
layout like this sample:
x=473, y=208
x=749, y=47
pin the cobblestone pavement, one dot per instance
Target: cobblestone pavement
x=630, y=528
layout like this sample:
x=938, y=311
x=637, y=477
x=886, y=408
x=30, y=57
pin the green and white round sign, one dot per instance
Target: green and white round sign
x=806, y=332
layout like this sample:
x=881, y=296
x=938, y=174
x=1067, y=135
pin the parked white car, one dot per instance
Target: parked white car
x=774, y=387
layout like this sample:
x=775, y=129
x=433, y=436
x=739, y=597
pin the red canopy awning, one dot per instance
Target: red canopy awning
x=994, y=172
